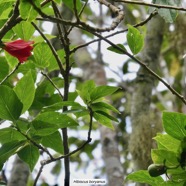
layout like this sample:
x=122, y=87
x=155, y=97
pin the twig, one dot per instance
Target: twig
x=89, y=139
x=63, y=35
x=34, y=143
x=12, y=21
x=45, y=2
x=38, y=174
x=52, y=49
x=115, y=23
x=50, y=18
x=17, y=66
x=152, y=5
x=181, y=97
x=44, y=74
x=58, y=15
x=82, y=9
x=116, y=33
x=75, y=11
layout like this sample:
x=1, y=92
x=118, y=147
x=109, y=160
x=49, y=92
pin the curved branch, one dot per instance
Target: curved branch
x=181, y=97
x=12, y=21
x=115, y=33
x=17, y=66
x=152, y=5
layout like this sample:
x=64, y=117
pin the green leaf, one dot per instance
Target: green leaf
x=4, y=68
x=175, y=124
x=135, y=39
x=100, y=105
x=53, y=63
x=179, y=177
x=143, y=176
x=30, y=155
x=57, y=1
x=70, y=4
x=169, y=15
x=10, y=105
x=12, y=61
x=42, y=55
x=102, y=91
x=39, y=39
x=53, y=141
x=103, y=119
x=161, y=155
x=27, y=11
x=60, y=105
x=115, y=50
x=167, y=142
x=49, y=122
x=85, y=90
x=24, y=30
x=5, y=7
x=107, y=115
x=9, y=149
x=9, y=134
x=23, y=124
x=5, y=1
x=25, y=90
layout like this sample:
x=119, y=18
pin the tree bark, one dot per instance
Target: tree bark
x=143, y=126
x=19, y=174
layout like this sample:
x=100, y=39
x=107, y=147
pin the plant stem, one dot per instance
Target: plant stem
x=17, y=66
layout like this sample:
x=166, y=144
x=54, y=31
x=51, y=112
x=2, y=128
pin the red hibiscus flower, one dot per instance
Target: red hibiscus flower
x=20, y=49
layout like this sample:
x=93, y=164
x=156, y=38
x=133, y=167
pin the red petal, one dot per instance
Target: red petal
x=20, y=49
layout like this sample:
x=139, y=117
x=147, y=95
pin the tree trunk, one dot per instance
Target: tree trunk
x=143, y=126
x=19, y=174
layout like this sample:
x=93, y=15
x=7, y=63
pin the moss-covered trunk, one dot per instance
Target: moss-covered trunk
x=144, y=126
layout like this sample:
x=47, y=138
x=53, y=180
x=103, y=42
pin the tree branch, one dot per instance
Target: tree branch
x=116, y=33
x=34, y=143
x=152, y=5
x=181, y=97
x=44, y=74
x=52, y=49
x=12, y=21
x=17, y=66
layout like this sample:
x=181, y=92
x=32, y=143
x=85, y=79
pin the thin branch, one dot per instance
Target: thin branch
x=75, y=10
x=34, y=143
x=50, y=18
x=17, y=66
x=82, y=9
x=89, y=139
x=181, y=97
x=53, y=84
x=58, y=15
x=45, y=2
x=116, y=33
x=152, y=5
x=52, y=49
x=38, y=174
x=115, y=23
x=12, y=21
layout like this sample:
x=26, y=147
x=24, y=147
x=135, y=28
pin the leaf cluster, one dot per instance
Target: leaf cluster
x=169, y=157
